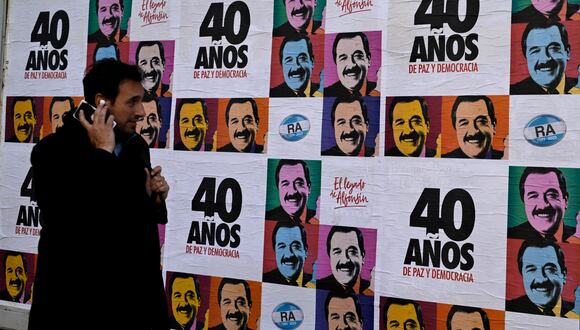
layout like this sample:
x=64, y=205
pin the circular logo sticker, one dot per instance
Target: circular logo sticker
x=294, y=128
x=287, y=316
x=545, y=130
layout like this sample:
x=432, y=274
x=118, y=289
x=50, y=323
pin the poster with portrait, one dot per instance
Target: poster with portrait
x=17, y=277
x=288, y=307
x=46, y=47
x=443, y=234
x=446, y=48
x=224, y=45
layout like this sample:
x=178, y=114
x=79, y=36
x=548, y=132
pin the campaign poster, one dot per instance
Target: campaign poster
x=242, y=125
x=447, y=47
x=23, y=119
x=109, y=21
x=466, y=317
x=287, y=307
x=217, y=217
x=46, y=47
x=413, y=126
x=234, y=303
x=295, y=128
x=17, y=276
x=224, y=44
x=341, y=309
x=55, y=108
x=544, y=129
x=154, y=19
x=103, y=51
x=188, y=298
x=445, y=233
x=155, y=59
x=195, y=126
x=298, y=17
x=401, y=312
x=475, y=127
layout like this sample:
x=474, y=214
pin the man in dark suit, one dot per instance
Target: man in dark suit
x=545, y=196
x=547, y=50
x=541, y=10
x=352, y=55
x=300, y=16
x=345, y=247
x=290, y=244
x=474, y=121
x=543, y=269
x=109, y=16
x=235, y=301
x=409, y=119
x=350, y=120
x=242, y=120
x=297, y=62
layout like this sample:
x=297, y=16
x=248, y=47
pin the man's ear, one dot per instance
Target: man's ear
x=98, y=98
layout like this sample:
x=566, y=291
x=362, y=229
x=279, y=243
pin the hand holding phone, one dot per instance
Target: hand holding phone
x=98, y=123
x=89, y=111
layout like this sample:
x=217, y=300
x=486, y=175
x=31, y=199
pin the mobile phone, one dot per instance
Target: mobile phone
x=88, y=110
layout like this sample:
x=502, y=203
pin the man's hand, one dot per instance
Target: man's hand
x=101, y=130
x=155, y=183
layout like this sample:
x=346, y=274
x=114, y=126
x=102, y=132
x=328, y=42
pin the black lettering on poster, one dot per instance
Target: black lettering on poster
x=53, y=30
x=28, y=215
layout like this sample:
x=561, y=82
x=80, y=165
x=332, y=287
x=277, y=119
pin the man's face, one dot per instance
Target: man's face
x=297, y=65
x=402, y=317
x=128, y=108
x=290, y=252
x=544, y=202
x=24, y=120
x=299, y=13
x=466, y=321
x=346, y=258
x=542, y=275
x=15, y=276
x=474, y=128
x=548, y=7
x=350, y=128
x=242, y=126
x=109, y=14
x=342, y=315
x=547, y=56
x=293, y=189
x=184, y=301
x=153, y=65
x=409, y=128
x=234, y=307
x=352, y=62
x=148, y=127
x=59, y=109
x=192, y=125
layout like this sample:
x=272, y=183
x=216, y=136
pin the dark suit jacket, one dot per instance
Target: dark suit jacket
x=286, y=30
x=458, y=153
x=278, y=214
x=529, y=86
x=337, y=89
x=335, y=151
x=283, y=90
x=530, y=14
x=523, y=304
x=331, y=284
x=230, y=148
x=99, y=37
x=527, y=232
x=99, y=235
x=276, y=277
x=394, y=151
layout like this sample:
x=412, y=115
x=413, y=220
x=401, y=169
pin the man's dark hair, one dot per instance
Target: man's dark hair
x=290, y=162
x=403, y=302
x=175, y=276
x=351, y=35
x=106, y=76
x=349, y=98
x=542, y=244
x=242, y=101
x=60, y=99
x=234, y=281
x=290, y=224
x=545, y=24
x=342, y=229
x=472, y=99
x=97, y=5
x=24, y=99
x=409, y=99
x=295, y=39
x=543, y=170
x=194, y=101
x=343, y=295
x=107, y=45
x=150, y=98
x=14, y=254
x=149, y=44
x=468, y=310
